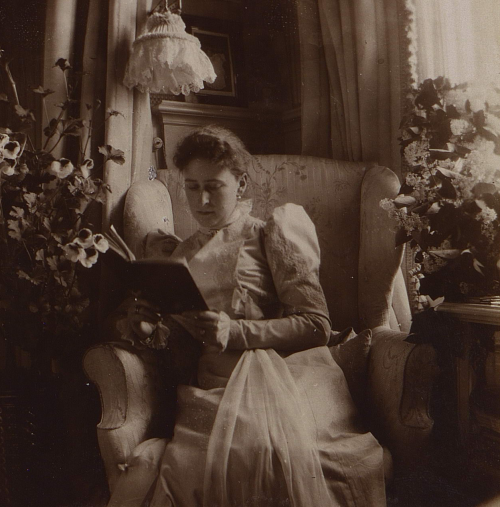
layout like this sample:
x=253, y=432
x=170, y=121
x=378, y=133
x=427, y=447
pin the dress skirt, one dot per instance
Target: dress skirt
x=283, y=431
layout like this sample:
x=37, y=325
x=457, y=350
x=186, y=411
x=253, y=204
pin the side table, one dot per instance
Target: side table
x=478, y=393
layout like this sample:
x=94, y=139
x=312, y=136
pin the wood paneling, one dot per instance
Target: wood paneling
x=262, y=133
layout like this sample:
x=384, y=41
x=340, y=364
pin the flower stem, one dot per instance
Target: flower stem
x=45, y=109
x=58, y=120
x=12, y=82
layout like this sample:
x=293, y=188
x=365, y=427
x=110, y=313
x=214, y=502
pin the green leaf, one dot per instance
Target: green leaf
x=51, y=129
x=63, y=64
x=422, y=209
x=484, y=188
x=24, y=114
x=445, y=254
x=43, y=91
x=428, y=96
x=113, y=112
x=479, y=119
x=113, y=154
x=402, y=237
x=404, y=201
x=72, y=127
x=446, y=189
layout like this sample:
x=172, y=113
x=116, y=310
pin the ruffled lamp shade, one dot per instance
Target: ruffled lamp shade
x=166, y=59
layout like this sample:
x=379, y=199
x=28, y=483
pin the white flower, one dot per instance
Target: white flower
x=86, y=167
x=416, y=153
x=413, y=222
x=460, y=127
x=61, y=168
x=85, y=238
x=101, y=243
x=387, y=204
x=486, y=215
x=90, y=258
x=4, y=139
x=7, y=167
x=74, y=252
x=11, y=150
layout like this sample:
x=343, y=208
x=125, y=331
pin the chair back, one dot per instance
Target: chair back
x=332, y=193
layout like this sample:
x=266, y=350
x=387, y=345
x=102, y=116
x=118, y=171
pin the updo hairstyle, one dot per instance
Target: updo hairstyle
x=216, y=144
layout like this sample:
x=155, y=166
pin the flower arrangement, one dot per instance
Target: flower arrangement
x=47, y=219
x=449, y=204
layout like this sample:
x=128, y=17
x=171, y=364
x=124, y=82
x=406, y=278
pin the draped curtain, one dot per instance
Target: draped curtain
x=96, y=36
x=355, y=71
x=458, y=39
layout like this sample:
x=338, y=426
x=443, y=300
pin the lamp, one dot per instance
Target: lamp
x=166, y=59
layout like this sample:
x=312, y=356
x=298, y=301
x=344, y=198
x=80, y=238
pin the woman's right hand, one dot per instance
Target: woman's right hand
x=143, y=317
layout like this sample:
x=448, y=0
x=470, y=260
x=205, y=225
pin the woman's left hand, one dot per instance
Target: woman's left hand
x=208, y=327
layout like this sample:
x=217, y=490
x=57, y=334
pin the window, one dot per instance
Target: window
x=457, y=39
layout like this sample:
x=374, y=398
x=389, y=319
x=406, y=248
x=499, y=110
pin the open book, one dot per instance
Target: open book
x=165, y=283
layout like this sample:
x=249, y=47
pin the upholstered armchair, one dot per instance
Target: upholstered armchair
x=361, y=278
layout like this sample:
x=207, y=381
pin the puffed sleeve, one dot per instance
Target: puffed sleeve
x=293, y=254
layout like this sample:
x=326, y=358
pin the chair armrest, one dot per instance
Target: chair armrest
x=400, y=382
x=130, y=386
x=379, y=260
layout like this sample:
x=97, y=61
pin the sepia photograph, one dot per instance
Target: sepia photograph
x=250, y=253
x=217, y=47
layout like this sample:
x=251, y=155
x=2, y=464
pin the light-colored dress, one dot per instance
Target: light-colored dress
x=269, y=423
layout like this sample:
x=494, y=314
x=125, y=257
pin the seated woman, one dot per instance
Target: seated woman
x=269, y=420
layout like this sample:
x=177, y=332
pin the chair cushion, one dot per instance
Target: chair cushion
x=351, y=354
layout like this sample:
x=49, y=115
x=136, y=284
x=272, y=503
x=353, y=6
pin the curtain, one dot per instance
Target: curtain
x=96, y=36
x=354, y=74
x=458, y=39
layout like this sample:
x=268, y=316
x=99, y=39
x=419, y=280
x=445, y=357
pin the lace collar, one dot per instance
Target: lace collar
x=242, y=209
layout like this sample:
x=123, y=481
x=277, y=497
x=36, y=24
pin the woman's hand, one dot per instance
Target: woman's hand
x=143, y=317
x=208, y=327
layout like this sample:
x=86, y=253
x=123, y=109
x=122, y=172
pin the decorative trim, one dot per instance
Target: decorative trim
x=408, y=48
x=408, y=53
x=188, y=114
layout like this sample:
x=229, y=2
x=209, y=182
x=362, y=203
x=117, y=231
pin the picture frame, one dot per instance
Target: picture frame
x=217, y=46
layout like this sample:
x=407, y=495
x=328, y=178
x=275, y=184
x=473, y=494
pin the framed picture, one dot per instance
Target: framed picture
x=217, y=46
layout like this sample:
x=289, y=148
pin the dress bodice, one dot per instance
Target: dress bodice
x=252, y=269
x=231, y=270
x=256, y=272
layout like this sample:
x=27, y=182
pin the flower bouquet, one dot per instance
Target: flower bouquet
x=448, y=206
x=47, y=220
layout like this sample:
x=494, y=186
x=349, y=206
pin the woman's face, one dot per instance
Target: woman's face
x=212, y=192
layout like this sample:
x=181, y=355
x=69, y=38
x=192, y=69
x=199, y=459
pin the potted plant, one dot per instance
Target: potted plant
x=449, y=204
x=48, y=221
x=49, y=242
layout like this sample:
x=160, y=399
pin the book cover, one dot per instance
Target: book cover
x=163, y=282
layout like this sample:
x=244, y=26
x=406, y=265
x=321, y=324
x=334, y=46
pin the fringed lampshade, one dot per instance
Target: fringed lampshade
x=166, y=59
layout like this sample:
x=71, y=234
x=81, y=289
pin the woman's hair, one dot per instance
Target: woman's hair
x=216, y=144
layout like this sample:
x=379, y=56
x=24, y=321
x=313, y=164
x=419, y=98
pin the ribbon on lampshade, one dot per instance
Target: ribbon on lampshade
x=166, y=59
